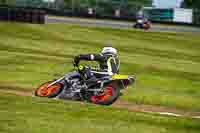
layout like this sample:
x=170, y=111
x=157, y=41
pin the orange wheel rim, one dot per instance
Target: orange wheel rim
x=45, y=91
x=108, y=92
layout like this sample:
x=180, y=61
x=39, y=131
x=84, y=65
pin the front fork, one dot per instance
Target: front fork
x=65, y=77
x=56, y=81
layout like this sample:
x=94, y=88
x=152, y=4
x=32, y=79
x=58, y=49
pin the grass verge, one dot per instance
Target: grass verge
x=166, y=64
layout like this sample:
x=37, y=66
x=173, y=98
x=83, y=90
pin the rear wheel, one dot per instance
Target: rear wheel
x=109, y=96
x=49, y=91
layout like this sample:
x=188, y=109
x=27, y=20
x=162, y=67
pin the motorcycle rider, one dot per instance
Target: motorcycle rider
x=108, y=63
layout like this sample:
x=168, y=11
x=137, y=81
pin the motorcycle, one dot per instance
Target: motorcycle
x=74, y=86
x=141, y=24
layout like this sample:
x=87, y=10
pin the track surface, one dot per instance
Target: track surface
x=117, y=24
x=122, y=105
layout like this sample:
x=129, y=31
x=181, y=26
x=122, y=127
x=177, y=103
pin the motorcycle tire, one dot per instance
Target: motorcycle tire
x=110, y=95
x=51, y=91
x=136, y=26
x=147, y=27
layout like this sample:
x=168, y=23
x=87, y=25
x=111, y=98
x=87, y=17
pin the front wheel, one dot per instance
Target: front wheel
x=49, y=91
x=137, y=26
x=107, y=97
x=147, y=26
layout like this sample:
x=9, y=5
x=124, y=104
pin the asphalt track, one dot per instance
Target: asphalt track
x=119, y=24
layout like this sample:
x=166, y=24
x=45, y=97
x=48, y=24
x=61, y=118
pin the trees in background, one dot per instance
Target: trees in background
x=2, y=2
x=93, y=3
x=107, y=7
x=7, y=2
x=195, y=4
x=99, y=7
x=79, y=3
x=191, y=4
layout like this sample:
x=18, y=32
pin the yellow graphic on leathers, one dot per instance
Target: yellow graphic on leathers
x=117, y=76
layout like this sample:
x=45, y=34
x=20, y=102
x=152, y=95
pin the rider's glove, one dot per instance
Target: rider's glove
x=76, y=61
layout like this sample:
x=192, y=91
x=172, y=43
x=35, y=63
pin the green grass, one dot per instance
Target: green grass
x=166, y=64
x=38, y=115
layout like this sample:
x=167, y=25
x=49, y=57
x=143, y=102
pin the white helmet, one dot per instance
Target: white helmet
x=109, y=50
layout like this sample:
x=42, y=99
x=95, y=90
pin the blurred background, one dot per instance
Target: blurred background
x=183, y=11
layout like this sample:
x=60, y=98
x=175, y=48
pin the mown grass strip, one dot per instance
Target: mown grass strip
x=166, y=64
x=57, y=116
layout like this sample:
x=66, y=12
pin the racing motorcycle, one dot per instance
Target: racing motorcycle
x=142, y=24
x=74, y=86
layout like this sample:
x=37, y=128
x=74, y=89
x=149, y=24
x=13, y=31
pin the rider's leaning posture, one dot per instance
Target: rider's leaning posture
x=101, y=85
x=107, y=59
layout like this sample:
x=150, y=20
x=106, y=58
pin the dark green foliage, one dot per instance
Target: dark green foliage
x=195, y=4
x=191, y=4
x=7, y=2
